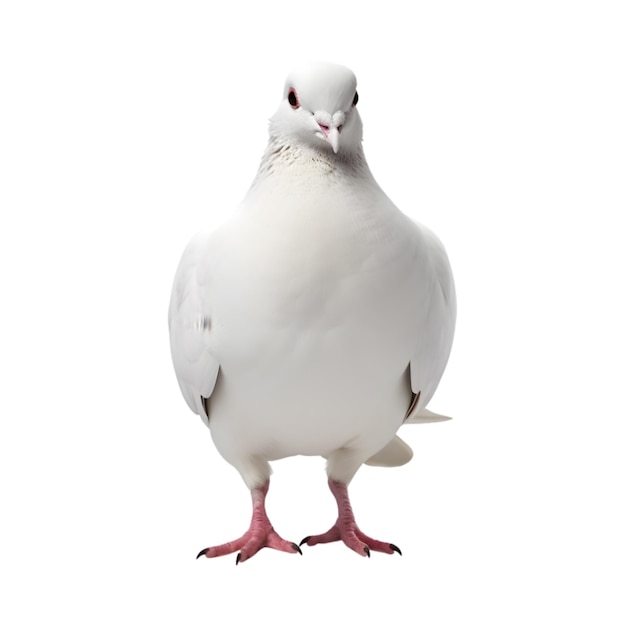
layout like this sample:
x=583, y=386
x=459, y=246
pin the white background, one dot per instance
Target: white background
x=126, y=127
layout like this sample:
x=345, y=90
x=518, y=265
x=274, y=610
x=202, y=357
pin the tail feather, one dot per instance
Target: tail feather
x=424, y=416
x=395, y=453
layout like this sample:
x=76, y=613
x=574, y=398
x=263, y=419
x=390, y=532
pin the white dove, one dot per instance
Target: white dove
x=318, y=318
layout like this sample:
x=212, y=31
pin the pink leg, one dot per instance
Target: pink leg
x=261, y=534
x=345, y=528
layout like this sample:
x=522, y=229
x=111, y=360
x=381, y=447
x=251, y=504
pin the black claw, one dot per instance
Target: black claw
x=305, y=540
x=238, y=559
x=296, y=547
x=395, y=549
x=367, y=551
x=202, y=552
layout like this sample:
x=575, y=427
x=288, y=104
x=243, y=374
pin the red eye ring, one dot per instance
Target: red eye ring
x=292, y=97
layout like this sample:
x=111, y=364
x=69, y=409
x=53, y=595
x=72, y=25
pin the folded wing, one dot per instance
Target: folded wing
x=435, y=332
x=190, y=325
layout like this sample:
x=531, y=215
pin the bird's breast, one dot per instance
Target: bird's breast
x=313, y=324
x=319, y=279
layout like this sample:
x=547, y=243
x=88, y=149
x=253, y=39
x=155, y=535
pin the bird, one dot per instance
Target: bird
x=317, y=318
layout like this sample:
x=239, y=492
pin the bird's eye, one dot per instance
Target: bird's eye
x=355, y=99
x=293, y=98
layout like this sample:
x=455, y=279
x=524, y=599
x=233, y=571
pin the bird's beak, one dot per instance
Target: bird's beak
x=330, y=128
x=331, y=135
x=333, y=138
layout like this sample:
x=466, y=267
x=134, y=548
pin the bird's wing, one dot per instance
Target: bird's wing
x=434, y=342
x=190, y=324
x=436, y=331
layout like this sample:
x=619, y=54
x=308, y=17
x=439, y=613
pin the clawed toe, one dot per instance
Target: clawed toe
x=395, y=549
x=352, y=537
x=247, y=546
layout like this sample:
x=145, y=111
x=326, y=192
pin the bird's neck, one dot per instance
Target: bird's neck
x=286, y=158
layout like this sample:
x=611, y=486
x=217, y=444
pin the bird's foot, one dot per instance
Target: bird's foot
x=352, y=536
x=250, y=543
x=346, y=530
x=261, y=534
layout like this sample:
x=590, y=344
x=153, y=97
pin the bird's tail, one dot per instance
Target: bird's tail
x=424, y=416
x=395, y=453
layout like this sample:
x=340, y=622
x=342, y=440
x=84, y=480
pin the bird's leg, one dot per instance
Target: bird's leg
x=261, y=533
x=345, y=528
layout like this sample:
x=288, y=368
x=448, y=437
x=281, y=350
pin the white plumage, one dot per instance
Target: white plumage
x=311, y=320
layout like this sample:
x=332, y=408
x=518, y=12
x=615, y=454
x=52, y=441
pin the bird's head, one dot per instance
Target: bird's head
x=319, y=108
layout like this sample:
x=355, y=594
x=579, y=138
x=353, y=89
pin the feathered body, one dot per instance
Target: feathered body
x=308, y=322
